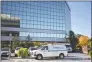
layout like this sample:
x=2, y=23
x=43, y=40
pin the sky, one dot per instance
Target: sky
x=81, y=17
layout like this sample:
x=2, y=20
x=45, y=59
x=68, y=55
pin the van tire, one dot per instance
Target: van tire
x=39, y=57
x=61, y=56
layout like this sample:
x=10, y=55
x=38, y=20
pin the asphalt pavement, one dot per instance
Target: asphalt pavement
x=72, y=57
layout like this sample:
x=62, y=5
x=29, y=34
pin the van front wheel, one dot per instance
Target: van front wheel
x=39, y=57
x=61, y=56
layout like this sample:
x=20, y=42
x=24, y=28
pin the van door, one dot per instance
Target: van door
x=45, y=51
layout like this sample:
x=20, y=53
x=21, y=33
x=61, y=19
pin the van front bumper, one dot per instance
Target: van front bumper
x=33, y=56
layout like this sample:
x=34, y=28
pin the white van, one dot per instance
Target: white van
x=50, y=50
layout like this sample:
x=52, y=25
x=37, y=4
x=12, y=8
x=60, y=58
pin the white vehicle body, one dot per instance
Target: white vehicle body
x=31, y=49
x=5, y=52
x=16, y=50
x=69, y=48
x=50, y=50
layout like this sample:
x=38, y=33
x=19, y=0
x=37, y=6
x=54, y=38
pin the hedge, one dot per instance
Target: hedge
x=22, y=52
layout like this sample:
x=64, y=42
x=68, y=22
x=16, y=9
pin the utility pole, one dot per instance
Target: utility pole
x=10, y=48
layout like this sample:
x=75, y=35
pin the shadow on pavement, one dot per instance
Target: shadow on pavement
x=76, y=58
x=66, y=58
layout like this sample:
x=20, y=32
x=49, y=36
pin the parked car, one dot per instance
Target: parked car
x=5, y=52
x=50, y=50
x=16, y=51
x=69, y=48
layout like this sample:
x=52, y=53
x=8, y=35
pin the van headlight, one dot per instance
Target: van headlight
x=31, y=53
x=34, y=53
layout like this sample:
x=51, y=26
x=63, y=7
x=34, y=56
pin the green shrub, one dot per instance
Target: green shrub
x=19, y=52
x=90, y=53
x=22, y=52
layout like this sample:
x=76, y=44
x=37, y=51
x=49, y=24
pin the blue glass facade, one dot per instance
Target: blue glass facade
x=53, y=19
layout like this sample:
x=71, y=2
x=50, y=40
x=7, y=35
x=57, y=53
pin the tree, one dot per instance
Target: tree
x=73, y=40
x=21, y=44
x=83, y=42
x=78, y=35
x=31, y=44
x=28, y=38
x=91, y=47
x=28, y=43
x=15, y=42
x=36, y=43
x=89, y=42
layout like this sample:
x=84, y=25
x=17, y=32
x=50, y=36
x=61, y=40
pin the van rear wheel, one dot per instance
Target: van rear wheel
x=39, y=57
x=61, y=56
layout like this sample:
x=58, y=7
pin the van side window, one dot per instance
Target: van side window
x=45, y=48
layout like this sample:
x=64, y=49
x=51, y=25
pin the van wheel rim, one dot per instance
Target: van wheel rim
x=61, y=56
x=39, y=57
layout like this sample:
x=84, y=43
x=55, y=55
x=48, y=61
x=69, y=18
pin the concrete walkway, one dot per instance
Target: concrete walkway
x=72, y=57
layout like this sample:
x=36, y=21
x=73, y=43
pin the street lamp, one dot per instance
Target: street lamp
x=10, y=39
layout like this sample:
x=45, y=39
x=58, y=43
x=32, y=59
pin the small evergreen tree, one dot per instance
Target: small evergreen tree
x=73, y=40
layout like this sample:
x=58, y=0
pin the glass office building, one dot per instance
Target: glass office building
x=43, y=20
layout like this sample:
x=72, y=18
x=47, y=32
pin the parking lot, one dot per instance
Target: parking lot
x=72, y=57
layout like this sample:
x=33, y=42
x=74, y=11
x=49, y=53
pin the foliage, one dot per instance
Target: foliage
x=90, y=53
x=22, y=44
x=28, y=38
x=15, y=42
x=90, y=47
x=45, y=43
x=26, y=44
x=4, y=45
x=78, y=35
x=29, y=44
x=83, y=41
x=89, y=43
x=71, y=34
x=73, y=40
x=36, y=43
x=22, y=52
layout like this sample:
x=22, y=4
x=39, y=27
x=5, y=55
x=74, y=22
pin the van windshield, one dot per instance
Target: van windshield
x=40, y=47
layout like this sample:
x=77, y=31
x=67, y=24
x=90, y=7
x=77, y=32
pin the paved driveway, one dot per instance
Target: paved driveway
x=73, y=57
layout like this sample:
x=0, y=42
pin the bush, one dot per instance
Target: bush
x=22, y=44
x=90, y=53
x=36, y=43
x=22, y=52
